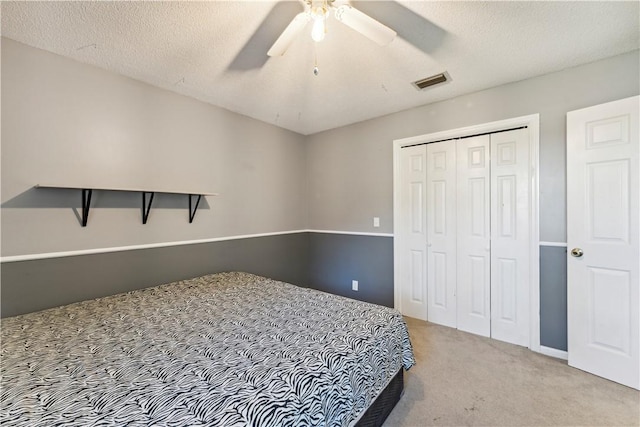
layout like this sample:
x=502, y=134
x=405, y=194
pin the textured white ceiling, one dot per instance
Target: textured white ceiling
x=216, y=51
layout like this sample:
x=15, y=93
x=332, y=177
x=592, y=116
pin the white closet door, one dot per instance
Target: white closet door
x=473, y=236
x=510, y=200
x=441, y=232
x=413, y=232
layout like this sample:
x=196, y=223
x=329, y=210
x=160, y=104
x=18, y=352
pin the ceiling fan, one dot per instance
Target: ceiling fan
x=319, y=11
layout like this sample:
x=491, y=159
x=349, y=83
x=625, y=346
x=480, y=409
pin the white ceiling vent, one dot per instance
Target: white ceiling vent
x=430, y=81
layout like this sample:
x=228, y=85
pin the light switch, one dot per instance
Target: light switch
x=376, y=221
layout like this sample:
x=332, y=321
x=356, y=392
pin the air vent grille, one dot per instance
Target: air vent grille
x=430, y=81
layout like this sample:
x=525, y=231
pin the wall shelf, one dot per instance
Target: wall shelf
x=146, y=204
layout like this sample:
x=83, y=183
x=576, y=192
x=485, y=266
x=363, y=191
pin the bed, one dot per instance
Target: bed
x=227, y=349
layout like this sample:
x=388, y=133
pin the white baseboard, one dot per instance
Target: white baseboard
x=553, y=352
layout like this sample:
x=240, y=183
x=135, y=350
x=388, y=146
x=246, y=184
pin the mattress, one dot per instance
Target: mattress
x=228, y=349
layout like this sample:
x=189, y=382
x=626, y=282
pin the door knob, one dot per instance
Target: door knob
x=576, y=252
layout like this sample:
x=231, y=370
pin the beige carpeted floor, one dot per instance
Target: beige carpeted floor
x=462, y=379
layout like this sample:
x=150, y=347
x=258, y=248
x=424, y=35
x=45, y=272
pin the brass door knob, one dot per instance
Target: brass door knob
x=577, y=252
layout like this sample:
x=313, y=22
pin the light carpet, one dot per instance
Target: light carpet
x=462, y=379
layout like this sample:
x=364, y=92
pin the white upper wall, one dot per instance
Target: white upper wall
x=350, y=169
x=67, y=122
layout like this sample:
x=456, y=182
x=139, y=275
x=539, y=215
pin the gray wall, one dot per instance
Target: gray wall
x=337, y=259
x=327, y=262
x=35, y=285
x=350, y=169
x=67, y=122
x=72, y=123
x=553, y=297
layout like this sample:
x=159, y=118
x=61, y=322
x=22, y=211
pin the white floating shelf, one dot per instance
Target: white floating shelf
x=133, y=190
x=146, y=207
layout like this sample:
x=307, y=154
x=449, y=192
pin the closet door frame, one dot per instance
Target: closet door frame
x=533, y=124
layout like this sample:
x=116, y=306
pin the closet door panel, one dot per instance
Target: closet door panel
x=441, y=233
x=510, y=197
x=473, y=235
x=413, y=233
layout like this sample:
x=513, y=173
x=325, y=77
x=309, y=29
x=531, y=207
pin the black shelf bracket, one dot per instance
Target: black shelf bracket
x=192, y=211
x=86, y=204
x=146, y=207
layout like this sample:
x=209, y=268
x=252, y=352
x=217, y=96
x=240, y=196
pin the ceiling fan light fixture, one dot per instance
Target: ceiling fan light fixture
x=318, y=30
x=319, y=13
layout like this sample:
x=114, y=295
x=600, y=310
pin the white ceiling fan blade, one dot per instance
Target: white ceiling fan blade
x=365, y=25
x=289, y=33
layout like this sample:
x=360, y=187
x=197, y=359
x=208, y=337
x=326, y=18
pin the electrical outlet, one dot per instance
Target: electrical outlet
x=376, y=221
x=354, y=285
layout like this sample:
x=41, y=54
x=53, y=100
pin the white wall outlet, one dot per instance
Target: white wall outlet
x=354, y=285
x=376, y=221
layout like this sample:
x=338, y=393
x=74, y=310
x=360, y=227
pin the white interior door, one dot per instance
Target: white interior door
x=473, y=236
x=602, y=229
x=455, y=269
x=510, y=198
x=441, y=233
x=413, y=232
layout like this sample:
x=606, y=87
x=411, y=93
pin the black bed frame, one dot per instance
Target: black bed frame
x=384, y=403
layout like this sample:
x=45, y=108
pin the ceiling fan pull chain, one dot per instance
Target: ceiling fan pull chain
x=316, y=70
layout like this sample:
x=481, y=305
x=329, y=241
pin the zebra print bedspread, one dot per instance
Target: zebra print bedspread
x=229, y=349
